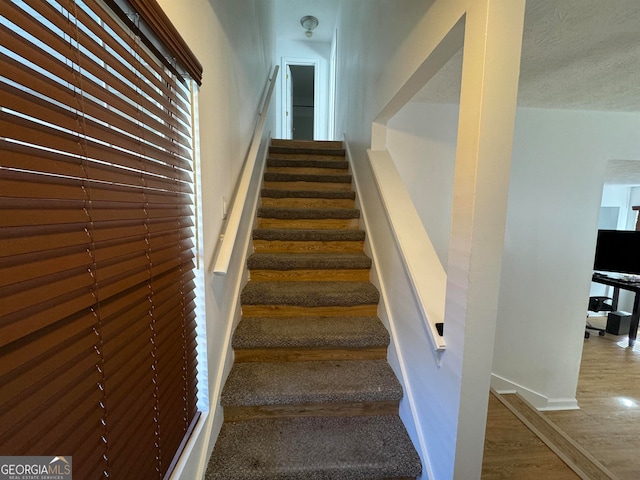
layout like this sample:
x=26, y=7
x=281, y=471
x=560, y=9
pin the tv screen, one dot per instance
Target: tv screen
x=618, y=251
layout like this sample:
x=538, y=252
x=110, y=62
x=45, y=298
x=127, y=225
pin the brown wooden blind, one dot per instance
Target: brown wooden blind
x=97, y=304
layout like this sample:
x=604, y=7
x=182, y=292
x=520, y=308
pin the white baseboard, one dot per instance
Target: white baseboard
x=537, y=400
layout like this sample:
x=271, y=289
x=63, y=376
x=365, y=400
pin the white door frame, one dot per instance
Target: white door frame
x=287, y=99
x=333, y=67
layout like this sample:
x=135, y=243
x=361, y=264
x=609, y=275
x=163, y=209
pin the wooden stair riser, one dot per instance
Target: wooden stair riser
x=307, y=170
x=239, y=414
x=311, y=224
x=330, y=144
x=326, y=186
x=290, y=354
x=289, y=202
x=303, y=156
x=367, y=310
x=355, y=275
x=280, y=246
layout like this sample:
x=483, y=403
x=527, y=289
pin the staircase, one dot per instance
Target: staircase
x=310, y=395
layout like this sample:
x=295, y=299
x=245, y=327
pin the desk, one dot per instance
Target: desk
x=618, y=282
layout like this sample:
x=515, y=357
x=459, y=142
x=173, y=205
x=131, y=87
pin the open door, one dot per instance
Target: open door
x=300, y=112
x=333, y=68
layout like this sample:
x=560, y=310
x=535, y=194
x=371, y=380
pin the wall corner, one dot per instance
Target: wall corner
x=378, y=136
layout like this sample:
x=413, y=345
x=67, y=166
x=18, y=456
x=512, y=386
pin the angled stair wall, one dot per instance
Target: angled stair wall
x=310, y=395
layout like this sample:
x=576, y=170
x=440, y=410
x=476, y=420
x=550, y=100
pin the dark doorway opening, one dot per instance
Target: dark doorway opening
x=303, y=107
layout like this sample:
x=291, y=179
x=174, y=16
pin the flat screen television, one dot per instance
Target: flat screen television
x=618, y=251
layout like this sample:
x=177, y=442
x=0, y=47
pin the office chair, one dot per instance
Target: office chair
x=598, y=304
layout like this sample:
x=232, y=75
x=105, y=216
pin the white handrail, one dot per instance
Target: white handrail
x=228, y=238
x=427, y=276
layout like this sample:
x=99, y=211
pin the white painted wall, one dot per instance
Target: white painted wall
x=234, y=41
x=422, y=141
x=623, y=197
x=554, y=202
x=634, y=200
x=304, y=49
x=618, y=196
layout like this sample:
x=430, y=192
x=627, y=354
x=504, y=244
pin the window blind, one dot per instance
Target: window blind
x=97, y=304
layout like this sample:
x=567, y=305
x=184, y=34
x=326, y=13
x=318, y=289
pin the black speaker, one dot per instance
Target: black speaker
x=618, y=323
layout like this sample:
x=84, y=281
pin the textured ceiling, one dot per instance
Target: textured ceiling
x=581, y=54
x=576, y=54
x=623, y=172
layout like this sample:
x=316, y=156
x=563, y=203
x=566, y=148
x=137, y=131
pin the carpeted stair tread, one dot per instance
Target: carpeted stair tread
x=313, y=448
x=307, y=213
x=307, y=235
x=335, y=152
x=310, y=294
x=311, y=382
x=310, y=332
x=307, y=163
x=309, y=261
x=332, y=194
x=307, y=177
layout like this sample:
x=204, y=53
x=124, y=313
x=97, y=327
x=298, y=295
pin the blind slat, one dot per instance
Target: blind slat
x=59, y=84
x=15, y=184
x=148, y=58
x=48, y=92
x=69, y=121
x=20, y=268
x=78, y=57
x=97, y=47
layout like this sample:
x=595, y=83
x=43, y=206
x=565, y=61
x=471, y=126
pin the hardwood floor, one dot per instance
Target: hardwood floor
x=607, y=425
x=512, y=451
x=608, y=422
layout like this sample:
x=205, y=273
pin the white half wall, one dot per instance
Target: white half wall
x=304, y=49
x=421, y=138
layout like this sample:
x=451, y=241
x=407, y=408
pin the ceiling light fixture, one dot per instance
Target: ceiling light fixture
x=309, y=23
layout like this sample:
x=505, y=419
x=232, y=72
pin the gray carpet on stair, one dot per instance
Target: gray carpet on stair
x=310, y=382
x=308, y=261
x=310, y=294
x=307, y=163
x=345, y=235
x=331, y=194
x=299, y=177
x=308, y=213
x=316, y=448
x=310, y=332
